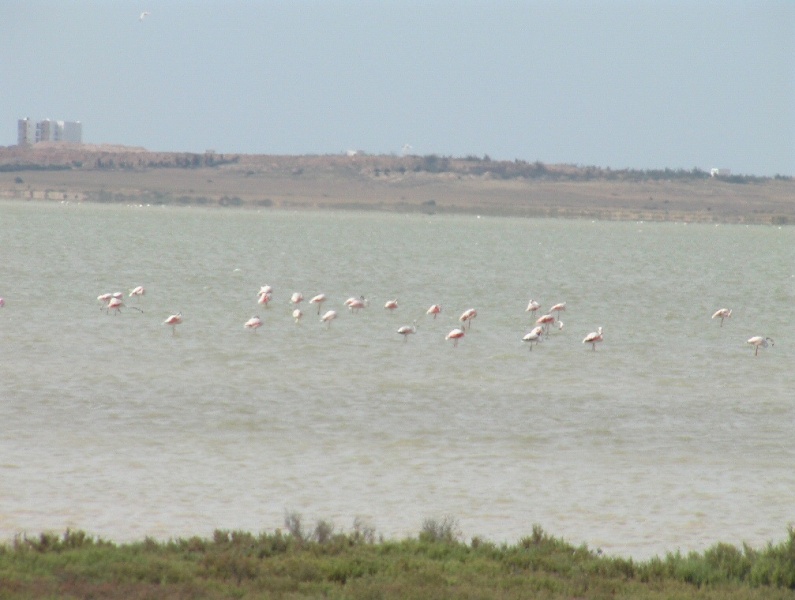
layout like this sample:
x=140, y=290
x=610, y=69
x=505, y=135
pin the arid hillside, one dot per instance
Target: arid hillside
x=431, y=184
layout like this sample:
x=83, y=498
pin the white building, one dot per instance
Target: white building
x=31, y=132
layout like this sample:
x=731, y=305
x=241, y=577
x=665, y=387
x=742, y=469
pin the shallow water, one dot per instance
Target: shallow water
x=671, y=435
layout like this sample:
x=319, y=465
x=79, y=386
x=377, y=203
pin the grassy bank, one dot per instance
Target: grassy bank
x=322, y=563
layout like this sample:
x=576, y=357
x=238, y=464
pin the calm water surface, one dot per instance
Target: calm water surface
x=672, y=435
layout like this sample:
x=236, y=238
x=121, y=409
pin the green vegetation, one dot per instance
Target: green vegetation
x=323, y=563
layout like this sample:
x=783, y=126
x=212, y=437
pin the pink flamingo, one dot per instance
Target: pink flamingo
x=467, y=316
x=297, y=314
x=545, y=320
x=723, y=313
x=560, y=306
x=264, y=299
x=319, y=300
x=532, y=306
x=593, y=338
x=455, y=335
x=328, y=317
x=115, y=304
x=391, y=304
x=137, y=291
x=355, y=304
x=2, y=302
x=434, y=310
x=297, y=298
x=253, y=323
x=173, y=320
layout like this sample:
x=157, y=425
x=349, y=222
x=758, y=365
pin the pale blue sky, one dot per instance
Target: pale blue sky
x=619, y=84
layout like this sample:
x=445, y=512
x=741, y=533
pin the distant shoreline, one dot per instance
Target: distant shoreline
x=408, y=184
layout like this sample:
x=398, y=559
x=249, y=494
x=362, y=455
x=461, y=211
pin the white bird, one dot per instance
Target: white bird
x=723, y=313
x=319, y=300
x=265, y=289
x=534, y=336
x=532, y=306
x=173, y=320
x=297, y=314
x=253, y=323
x=560, y=306
x=593, y=337
x=758, y=341
x=391, y=304
x=328, y=317
x=297, y=298
x=434, y=310
x=455, y=335
x=137, y=291
x=354, y=304
x=144, y=14
x=407, y=330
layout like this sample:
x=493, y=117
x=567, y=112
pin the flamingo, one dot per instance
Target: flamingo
x=319, y=300
x=534, y=336
x=173, y=320
x=532, y=306
x=2, y=302
x=467, y=316
x=593, y=337
x=391, y=304
x=560, y=306
x=407, y=330
x=434, y=310
x=264, y=299
x=354, y=304
x=144, y=14
x=104, y=299
x=455, y=335
x=297, y=314
x=328, y=317
x=297, y=298
x=723, y=313
x=253, y=323
x=545, y=320
x=758, y=341
x=137, y=291
x=265, y=289
x=115, y=304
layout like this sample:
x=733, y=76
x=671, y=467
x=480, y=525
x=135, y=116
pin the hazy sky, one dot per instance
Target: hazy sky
x=614, y=84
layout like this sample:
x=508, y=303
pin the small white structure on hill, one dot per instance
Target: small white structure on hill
x=32, y=132
x=719, y=172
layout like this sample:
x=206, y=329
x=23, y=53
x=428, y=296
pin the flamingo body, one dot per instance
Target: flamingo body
x=173, y=321
x=759, y=341
x=593, y=338
x=253, y=323
x=391, y=304
x=328, y=317
x=455, y=335
x=297, y=298
x=297, y=314
x=319, y=300
x=434, y=310
x=407, y=330
x=722, y=313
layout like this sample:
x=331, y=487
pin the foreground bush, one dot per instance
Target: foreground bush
x=323, y=563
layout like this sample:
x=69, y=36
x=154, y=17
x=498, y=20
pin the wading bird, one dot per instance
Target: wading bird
x=391, y=304
x=328, y=317
x=434, y=310
x=297, y=314
x=115, y=304
x=722, y=313
x=137, y=291
x=534, y=336
x=560, y=306
x=467, y=316
x=455, y=335
x=297, y=298
x=532, y=306
x=407, y=330
x=593, y=338
x=173, y=320
x=319, y=300
x=545, y=320
x=354, y=304
x=253, y=323
x=760, y=342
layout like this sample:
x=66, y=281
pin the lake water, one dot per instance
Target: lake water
x=671, y=435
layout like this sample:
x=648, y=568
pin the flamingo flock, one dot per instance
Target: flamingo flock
x=111, y=302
